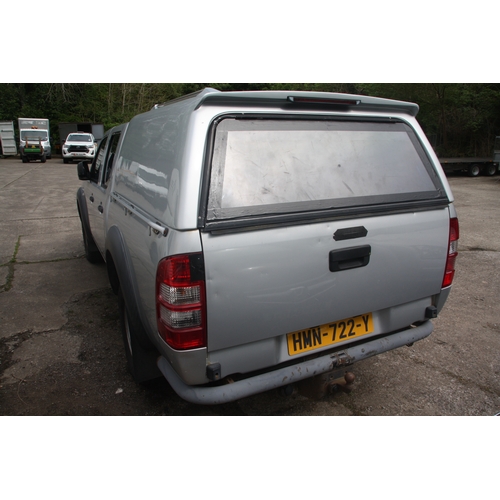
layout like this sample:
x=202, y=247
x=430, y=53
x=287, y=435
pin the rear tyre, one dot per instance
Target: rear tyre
x=141, y=360
x=491, y=170
x=474, y=170
x=43, y=159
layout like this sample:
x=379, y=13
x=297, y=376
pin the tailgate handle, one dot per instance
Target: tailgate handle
x=349, y=258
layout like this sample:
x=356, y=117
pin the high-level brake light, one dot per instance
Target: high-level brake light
x=325, y=100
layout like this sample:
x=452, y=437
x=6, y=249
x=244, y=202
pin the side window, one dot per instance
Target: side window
x=113, y=145
x=98, y=162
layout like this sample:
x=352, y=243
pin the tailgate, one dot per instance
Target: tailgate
x=267, y=283
x=310, y=221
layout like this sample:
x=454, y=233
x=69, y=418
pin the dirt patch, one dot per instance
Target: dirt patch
x=38, y=352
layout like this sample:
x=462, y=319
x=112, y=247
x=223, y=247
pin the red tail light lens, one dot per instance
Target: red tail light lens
x=180, y=301
x=452, y=253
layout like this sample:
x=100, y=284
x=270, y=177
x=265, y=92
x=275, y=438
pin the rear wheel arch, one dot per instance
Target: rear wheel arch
x=122, y=279
x=140, y=351
x=114, y=280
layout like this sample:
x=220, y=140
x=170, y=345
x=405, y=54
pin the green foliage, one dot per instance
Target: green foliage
x=460, y=119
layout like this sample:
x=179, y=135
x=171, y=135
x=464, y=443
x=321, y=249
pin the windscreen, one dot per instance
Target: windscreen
x=34, y=135
x=280, y=166
x=79, y=138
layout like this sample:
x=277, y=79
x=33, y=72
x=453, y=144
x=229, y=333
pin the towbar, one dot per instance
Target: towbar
x=290, y=374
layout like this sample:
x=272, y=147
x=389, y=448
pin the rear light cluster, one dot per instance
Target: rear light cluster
x=452, y=253
x=180, y=301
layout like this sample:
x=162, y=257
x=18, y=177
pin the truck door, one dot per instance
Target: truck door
x=94, y=196
x=100, y=174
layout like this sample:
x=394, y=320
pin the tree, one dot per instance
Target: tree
x=459, y=118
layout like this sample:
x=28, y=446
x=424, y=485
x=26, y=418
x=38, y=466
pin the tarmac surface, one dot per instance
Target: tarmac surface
x=61, y=351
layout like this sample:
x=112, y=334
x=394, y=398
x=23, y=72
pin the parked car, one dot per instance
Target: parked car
x=78, y=146
x=255, y=239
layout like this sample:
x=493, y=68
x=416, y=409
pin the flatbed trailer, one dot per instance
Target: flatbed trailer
x=472, y=166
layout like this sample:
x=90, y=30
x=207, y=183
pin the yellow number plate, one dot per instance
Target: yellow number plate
x=329, y=334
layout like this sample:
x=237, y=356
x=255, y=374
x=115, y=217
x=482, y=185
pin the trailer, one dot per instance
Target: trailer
x=474, y=166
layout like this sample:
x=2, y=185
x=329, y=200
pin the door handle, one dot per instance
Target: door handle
x=349, y=258
x=100, y=209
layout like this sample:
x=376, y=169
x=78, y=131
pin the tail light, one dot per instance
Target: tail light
x=180, y=301
x=452, y=253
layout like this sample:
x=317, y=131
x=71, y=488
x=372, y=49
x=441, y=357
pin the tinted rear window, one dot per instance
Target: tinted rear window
x=283, y=166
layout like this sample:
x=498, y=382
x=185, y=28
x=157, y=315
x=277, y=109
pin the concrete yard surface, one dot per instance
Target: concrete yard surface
x=61, y=351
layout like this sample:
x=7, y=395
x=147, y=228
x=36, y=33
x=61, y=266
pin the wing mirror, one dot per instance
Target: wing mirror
x=83, y=171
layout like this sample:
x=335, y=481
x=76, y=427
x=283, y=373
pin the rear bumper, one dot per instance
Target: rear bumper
x=290, y=374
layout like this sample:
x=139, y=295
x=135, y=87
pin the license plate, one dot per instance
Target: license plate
x=331, y=333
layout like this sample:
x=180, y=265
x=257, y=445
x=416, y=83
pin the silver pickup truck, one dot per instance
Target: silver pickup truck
x=255, y=239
